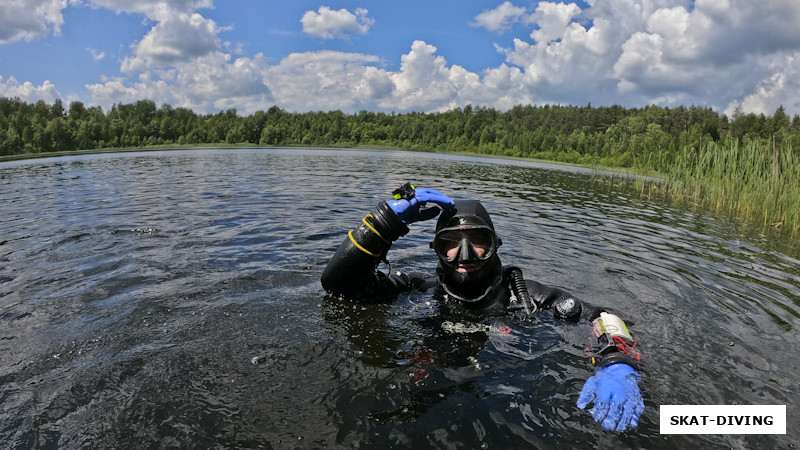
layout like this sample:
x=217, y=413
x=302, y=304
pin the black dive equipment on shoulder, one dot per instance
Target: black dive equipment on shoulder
x=520, y=289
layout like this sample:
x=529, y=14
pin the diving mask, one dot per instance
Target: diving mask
x=465, y=246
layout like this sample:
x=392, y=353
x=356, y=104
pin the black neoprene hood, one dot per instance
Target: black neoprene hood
x=465, y=213
x=478, y=286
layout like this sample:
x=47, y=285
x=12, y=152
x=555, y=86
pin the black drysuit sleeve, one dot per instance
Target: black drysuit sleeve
x=604, y=348
x=352, y=271
x=563, y=304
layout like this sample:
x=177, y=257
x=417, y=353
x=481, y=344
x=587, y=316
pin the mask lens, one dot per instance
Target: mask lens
x=448, y=243
x=481, y=240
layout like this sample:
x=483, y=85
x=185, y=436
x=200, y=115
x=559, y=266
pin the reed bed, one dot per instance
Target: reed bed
x=758, y=181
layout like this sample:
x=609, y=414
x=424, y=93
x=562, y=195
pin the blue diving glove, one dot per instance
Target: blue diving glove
x=618, y=403
x=409, y=200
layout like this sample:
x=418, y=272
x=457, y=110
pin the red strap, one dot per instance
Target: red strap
x=629, y=350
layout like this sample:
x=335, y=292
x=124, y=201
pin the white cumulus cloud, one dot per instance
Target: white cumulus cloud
x=208, y=83
x=501, y=18
x=96, y=55
x=179, y=34
x=223, y=82
x=179, y=37
x=639, y=52
x=779, y=88
x=27, y=91
x=719, y=53
x=28, y=19
x=154, y=9
x=326, y=80
x=321, y=80
x=117, y=91
x=329, y=24
x=714, y=53
x=425, y=82
x=552, y=19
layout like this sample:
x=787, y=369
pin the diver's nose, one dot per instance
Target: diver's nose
x=466, y=252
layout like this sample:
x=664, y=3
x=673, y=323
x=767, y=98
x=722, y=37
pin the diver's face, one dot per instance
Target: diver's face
x=453, y=251
x=465, y=267
x=454, y=244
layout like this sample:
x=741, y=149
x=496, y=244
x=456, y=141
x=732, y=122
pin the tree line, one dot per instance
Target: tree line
x=644, y=138
x=747, y=164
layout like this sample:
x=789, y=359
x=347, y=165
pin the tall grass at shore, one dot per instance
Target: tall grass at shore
x=758, y=181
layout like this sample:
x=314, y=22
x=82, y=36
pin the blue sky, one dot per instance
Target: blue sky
x=433, y=55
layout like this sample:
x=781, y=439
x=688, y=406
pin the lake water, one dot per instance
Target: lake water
x=172, y=299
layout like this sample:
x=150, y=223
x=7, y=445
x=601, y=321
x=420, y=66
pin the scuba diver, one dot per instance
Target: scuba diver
x=470, y=277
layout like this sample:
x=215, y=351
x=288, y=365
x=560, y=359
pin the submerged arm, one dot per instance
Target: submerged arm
x=614, y=389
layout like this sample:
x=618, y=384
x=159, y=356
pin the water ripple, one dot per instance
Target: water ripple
x=137, y=289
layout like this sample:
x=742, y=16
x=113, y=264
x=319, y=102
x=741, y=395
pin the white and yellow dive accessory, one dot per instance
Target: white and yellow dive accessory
x=612, y=342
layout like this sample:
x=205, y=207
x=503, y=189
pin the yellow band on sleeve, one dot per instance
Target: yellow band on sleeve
x=373, y=228
x=358, y=246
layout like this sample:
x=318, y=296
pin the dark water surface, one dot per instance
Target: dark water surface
x=172, y=299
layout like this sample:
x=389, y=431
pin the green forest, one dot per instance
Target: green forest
x=746, y=164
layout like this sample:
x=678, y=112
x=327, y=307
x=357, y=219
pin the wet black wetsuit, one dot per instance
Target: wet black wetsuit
x=353, y=273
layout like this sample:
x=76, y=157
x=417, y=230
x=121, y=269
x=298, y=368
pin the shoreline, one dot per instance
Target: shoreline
x=627, y=171
x=647, y=183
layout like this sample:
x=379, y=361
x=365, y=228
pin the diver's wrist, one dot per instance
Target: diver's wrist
x=612, y=343
x=387, y=222
x=377, y=231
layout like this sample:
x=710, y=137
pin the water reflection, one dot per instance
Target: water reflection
x=136, y=290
